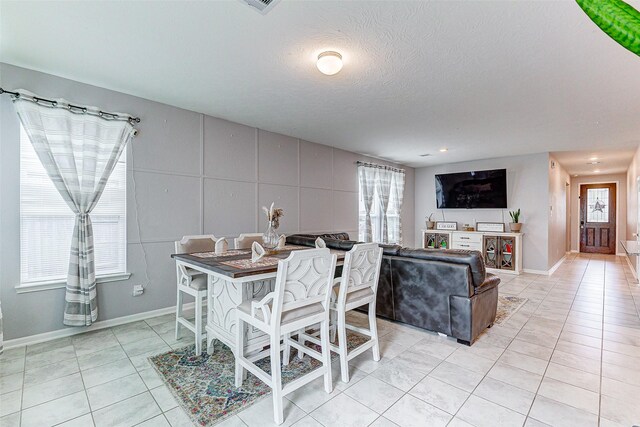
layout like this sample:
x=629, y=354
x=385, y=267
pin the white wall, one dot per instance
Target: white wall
x=193, y=174
x=621, y=181
x=632, y=201
x=559, y=185
x=528, y=189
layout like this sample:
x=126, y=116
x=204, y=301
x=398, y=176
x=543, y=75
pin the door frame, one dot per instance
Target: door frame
x=617, y=183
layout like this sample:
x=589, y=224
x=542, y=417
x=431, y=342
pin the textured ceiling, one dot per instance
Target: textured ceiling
x=610, y=160
x=482, y=78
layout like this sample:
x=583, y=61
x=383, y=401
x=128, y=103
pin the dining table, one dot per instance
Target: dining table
x=232, y=278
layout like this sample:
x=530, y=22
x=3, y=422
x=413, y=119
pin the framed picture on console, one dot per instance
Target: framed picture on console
x=493, y=227
x=446, y=225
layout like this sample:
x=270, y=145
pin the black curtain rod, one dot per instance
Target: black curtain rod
x=375, y=165
x=76, y=109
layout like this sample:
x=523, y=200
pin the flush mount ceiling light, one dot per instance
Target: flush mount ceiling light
x=329, y=62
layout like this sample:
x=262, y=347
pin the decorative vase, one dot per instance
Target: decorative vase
x=270, y=237
x=515, y=227
x=431, y=225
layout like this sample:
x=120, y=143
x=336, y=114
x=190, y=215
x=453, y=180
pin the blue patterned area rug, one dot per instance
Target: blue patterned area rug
x=204, y=385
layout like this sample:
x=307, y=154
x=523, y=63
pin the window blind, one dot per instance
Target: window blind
x=46, y=222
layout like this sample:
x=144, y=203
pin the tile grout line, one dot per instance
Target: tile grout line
x=557, y=340
x=497, y=360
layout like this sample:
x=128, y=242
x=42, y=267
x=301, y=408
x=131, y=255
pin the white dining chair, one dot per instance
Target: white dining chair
x=357, y=287
x=194, y=283
x=301, y=298
x=245, y=240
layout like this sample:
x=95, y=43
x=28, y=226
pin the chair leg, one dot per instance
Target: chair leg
x=276, y=380
x=198, y=323
x=302, y=342
x=333, y=319
x=286, y=349
x=178, y=313
x=342, y=344
x=239, y=352
x=326, y=355
x=373, y=328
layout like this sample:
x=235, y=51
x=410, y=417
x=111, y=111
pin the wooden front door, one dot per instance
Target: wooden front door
x=598, y=218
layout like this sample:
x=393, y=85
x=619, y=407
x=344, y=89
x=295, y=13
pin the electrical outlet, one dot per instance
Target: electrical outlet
x=138, y=290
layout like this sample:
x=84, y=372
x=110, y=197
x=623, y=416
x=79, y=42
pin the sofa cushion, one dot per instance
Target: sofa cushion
x=301, y=239
x=344, y=244
x=457, y=256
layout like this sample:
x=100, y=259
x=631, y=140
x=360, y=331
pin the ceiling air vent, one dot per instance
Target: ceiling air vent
x=262, y=6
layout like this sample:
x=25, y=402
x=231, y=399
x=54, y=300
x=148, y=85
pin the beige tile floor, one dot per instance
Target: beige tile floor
x=569, y=357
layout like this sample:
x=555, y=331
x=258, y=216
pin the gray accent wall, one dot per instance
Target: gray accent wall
x=528, y=189
x=188, y=173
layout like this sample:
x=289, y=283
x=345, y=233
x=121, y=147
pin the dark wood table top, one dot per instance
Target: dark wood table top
x=236, y=263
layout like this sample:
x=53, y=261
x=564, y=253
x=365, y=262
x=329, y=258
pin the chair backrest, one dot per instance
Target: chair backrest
x=245, y=240
x=305, y=278
x=361, y=270
x=194, y=244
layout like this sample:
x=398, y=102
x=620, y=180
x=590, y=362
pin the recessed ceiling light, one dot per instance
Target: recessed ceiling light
x=329, y=62
x=444, y=150
x=596, y=171
x=593, y=159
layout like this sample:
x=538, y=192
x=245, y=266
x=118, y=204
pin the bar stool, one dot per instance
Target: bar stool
x=245, y=240
x=194, y=283
x=301, y=298
x=357, y=287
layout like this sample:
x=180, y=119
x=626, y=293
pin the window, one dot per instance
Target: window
x=597, y=205
x=46, y=223
x=377, y=210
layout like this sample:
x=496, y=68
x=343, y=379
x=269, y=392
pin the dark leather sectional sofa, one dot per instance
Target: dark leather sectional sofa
x=446, y=291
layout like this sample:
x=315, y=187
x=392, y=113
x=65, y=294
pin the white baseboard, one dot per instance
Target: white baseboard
x=557, y=265
x=67, y=332
x=548, y=272
x=538, y=272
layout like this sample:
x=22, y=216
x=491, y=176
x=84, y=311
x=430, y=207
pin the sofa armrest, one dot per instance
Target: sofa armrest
x=490, y=282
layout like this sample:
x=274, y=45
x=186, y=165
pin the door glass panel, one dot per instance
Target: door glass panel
x=597, y=205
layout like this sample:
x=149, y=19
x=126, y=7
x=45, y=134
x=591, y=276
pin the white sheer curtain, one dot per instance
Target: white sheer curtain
x=366, y=178
x=381, y=196
x=395, y=208
x=383, y=189
x=79, y=152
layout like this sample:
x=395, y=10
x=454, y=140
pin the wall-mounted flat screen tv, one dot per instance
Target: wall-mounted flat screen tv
x=472, y=190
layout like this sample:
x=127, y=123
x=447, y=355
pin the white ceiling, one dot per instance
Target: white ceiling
x=484, y=79
x=609, y=161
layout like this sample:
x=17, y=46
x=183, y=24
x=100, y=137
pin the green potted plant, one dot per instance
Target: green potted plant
x=430, y=224
x=515, y=223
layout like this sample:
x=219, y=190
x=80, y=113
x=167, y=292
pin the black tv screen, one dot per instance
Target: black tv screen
x=472, y=190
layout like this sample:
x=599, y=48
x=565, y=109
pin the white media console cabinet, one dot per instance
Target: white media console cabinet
x=501, y=251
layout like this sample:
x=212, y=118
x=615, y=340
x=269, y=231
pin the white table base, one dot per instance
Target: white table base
x=223, y=297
